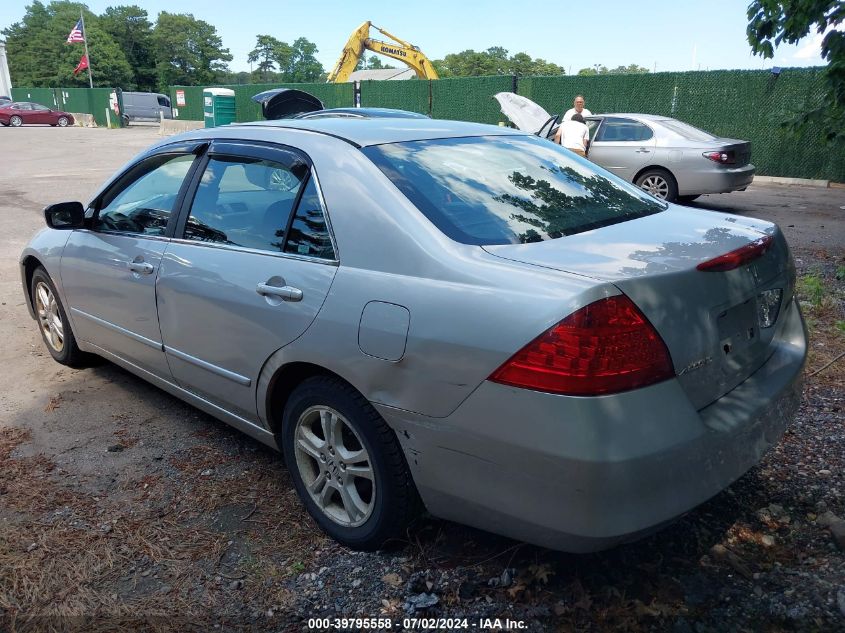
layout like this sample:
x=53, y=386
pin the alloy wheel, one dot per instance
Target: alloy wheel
x=15, y=121
x=656, y=186
x=62, y=121
x=49, y=317
x=335, y=466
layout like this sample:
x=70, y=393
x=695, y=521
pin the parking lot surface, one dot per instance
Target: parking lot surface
x=120, y=504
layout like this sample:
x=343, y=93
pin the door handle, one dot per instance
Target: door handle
x=643, y=150
x=142, y=268
x=288, y=293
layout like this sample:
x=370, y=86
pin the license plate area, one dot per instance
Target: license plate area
x=740, y=343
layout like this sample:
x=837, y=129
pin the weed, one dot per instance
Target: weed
x=811, y=287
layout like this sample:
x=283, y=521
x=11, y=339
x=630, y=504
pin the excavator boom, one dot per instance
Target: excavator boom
x=401, y=50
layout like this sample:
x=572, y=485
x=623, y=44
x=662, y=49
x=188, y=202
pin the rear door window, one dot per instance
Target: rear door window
x=618, y=129
x=507, y=189
x=256, y=202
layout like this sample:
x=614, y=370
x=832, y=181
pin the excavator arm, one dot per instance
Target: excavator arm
x=360, y=41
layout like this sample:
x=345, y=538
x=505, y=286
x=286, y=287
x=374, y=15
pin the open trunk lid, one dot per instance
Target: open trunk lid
x=709, y=320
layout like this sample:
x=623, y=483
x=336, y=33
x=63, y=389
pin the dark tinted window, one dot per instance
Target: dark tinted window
x=164, y=101
x=502, y=190
x=245, y=201
x=39, y=107
x=309, y=234
x=22, y=106
x=623, y=130
x=143, y=200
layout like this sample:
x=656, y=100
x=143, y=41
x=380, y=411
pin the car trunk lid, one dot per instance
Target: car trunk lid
x=709, y=320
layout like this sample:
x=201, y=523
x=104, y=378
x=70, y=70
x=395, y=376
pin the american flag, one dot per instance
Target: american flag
x=76, y=34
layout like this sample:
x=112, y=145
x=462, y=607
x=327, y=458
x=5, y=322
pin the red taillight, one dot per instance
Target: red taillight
x=738, y=257
x=606, y=347
x=723, y=158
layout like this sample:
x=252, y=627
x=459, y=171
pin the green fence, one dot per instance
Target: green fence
x=742, y=104
x=332, y=96
x=80, y=100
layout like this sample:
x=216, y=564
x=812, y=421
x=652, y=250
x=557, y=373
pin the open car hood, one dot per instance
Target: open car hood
x=522, y=112
x=280, y=103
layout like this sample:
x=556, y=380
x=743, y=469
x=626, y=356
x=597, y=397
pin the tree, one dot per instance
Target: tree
x=598, y=69
x=302, y=66
x=188, y=51
x=133, y=33
x=493, y=61
x=373, y=62
x=269, y=52
x=772, y=22
x=39, y=56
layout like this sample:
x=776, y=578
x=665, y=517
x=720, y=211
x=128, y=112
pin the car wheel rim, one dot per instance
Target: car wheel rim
x=656, y=186
x=15, y=121
x=49, y=317
x=63, y=122
x=335, y=466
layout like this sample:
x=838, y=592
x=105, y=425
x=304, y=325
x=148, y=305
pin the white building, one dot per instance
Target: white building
x=5, y=80
x=380, y=74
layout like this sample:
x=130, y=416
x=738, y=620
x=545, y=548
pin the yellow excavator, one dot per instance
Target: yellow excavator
x=360, y=41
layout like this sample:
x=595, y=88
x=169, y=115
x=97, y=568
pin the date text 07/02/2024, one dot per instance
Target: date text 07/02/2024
x=444, y=624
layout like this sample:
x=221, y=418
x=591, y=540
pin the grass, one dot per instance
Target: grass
x=822, y=296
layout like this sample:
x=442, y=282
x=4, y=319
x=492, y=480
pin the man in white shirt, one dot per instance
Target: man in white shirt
x=579, y=109
x=574, y=135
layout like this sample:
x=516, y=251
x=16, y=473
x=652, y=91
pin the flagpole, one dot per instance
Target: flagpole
x=85, y=41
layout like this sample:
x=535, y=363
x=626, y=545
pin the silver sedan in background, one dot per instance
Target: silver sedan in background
x=435, y=313
x=670, y=159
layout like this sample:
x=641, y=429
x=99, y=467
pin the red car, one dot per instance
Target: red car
x=24, y=112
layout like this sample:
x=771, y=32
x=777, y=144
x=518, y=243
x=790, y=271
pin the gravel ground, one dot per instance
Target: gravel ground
x=123, y=509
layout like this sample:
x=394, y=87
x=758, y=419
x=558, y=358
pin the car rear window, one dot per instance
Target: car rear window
x=508, y=190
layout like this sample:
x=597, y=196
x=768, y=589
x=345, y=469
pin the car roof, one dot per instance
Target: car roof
x=631, y=115
x=364, y=112
x=376, y=131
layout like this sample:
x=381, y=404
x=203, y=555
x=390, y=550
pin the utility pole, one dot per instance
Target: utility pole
x=85, y=41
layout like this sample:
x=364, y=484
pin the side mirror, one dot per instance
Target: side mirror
x=65, y=215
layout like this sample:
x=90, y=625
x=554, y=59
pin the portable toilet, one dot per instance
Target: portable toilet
x=218, y=105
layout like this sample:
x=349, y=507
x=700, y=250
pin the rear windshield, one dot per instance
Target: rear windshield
x=508, y=190
x=686, y=130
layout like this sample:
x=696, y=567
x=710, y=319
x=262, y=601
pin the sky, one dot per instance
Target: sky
x=662, y=35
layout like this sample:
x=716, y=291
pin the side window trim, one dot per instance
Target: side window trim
x=313, y=174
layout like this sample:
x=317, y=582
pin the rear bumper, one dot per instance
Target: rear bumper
x=717, y=179
x=585, y=474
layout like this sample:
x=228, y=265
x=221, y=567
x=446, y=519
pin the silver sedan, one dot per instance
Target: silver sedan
x=670, y=159
x=435, y=314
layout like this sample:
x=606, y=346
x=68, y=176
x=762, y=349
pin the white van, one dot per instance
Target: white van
x=145, y=106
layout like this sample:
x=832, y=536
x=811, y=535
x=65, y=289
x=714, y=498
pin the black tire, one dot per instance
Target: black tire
x=15, y=121
x=686, y=199
x=395, y=502
x=659, y=183
x=125, y=119
x=70, y=354
x=63, y=121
